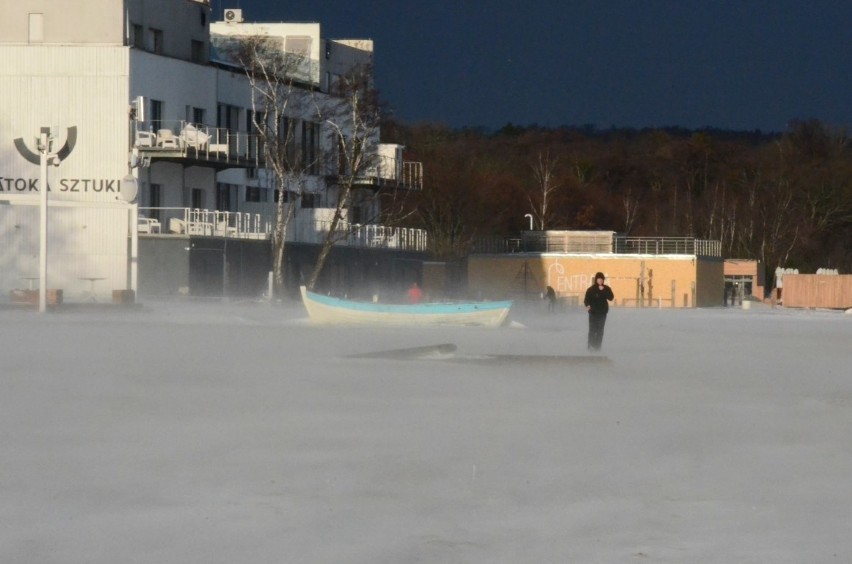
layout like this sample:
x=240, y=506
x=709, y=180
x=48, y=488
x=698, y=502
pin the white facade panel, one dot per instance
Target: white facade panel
x=82, y=244
x=82, y=93
x=88, y=109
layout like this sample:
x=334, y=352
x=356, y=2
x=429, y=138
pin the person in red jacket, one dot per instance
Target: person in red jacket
x=597, y=301
x=415, y=294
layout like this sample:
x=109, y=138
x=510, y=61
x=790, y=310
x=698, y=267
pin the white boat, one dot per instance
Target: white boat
x=328, y=310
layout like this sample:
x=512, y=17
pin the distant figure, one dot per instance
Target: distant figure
x=551, y=299
x=596, y=301
x=415, y=294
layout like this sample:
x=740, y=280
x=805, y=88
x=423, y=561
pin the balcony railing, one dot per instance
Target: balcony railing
x=372, y=236
x=209, y=223
x=384, y=171
x=302, y=229
x=667, y=246
x=605, y=244
x=184, y=140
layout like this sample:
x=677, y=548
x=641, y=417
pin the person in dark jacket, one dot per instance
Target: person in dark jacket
x=551, y=299
x=597, y=301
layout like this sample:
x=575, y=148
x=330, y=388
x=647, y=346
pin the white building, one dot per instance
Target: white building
x=134, y=88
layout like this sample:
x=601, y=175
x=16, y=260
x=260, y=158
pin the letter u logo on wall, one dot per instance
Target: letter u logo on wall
x=67, y=147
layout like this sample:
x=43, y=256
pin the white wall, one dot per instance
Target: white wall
x=67, y=87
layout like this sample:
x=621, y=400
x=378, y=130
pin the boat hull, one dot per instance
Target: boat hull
x=336, y=311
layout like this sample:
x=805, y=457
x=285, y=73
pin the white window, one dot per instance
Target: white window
x=298, y=45
x=36, y=28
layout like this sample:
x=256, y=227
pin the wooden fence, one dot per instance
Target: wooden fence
x=817, y=290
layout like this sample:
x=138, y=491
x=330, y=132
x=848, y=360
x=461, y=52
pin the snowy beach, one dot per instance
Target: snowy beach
x=237, y=432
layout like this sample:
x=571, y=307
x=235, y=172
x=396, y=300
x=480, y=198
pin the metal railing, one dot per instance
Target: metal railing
x=209, y=223
x=667, y=246
x=212, y=223
x=383, y=171
x=181, y=139
x=618, y=245
x=357, y=235
x=379, y=236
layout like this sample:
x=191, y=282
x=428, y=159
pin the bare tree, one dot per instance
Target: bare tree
x=352, y=117
x=278, y=101
x=540, y=196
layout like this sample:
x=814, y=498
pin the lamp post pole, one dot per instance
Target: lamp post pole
x=529, y=215
x=45, y=146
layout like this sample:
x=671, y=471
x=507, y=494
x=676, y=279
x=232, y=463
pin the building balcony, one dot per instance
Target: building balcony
x=384, y=172
x=306, y=228
x=197, y=145
x=202, y=222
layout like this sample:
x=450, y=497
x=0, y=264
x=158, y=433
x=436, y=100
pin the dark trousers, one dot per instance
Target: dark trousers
x=596, y=330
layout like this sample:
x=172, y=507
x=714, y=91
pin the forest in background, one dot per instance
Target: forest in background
x=784, y=199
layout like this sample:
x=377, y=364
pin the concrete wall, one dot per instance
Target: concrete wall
x=649, y=281
x=356, y=272
x=181, y=265
x=163, y=266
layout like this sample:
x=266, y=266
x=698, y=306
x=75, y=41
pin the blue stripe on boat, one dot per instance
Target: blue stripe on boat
x=409, y=308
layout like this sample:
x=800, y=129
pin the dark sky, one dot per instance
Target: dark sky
x=627, y=63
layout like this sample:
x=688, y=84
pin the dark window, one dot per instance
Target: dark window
x=197, y=198
x=252, y=194
x=137, y=38
x=290, y=197
x=198, y=116
x=155, y=40
x=197, y=52
x=156, y=114
x=310, y=147
x=155, y=200
x=223, y=197
x=228, y=117
x=308, y=200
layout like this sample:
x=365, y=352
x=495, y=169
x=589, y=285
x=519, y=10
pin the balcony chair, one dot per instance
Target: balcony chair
x=148, y=225
x=145, y=139
x=192, y=137
x=167, y=140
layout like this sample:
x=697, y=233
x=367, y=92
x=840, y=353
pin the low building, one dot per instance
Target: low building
x=642, y=271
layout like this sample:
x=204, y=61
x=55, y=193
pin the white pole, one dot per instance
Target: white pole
x=44, y=149
x=134, y=247
x=529, y=215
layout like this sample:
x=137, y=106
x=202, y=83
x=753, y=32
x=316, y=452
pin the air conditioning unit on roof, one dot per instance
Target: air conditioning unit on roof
x=233, y=15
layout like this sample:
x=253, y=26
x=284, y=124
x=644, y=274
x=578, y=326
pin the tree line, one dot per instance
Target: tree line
x=784, y=199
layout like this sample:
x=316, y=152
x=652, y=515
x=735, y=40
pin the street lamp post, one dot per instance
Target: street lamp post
x=529, y=215
x=46, y=156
